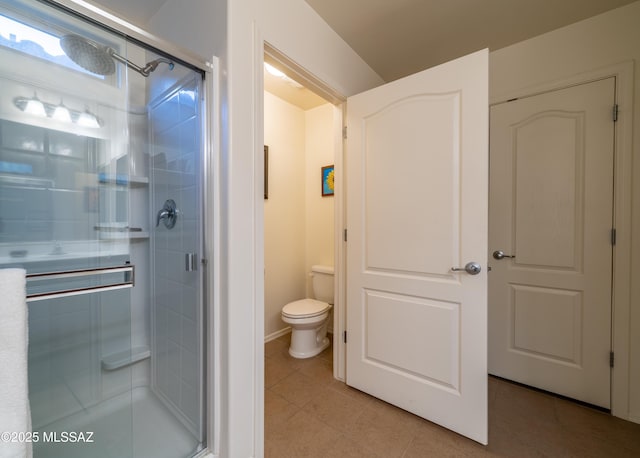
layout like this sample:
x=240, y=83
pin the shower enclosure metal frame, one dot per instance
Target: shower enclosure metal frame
x=210, y=131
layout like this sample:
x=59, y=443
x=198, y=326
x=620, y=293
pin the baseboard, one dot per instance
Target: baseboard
x=634, y=418
x=275, y=335
x=284, y=332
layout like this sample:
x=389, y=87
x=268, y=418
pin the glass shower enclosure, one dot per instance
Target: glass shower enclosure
x=101, y=179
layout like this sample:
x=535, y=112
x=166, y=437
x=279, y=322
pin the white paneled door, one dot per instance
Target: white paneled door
x=417, y=187
x=551, y=212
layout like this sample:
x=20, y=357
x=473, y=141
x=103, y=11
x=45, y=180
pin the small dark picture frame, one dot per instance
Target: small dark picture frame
x=327, y=182
x=266, y=172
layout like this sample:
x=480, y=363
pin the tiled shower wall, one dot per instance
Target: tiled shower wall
x=51, y=200
x=44, y=185
x=176, y=318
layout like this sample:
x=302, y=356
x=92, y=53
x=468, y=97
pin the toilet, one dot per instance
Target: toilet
x=309, y=318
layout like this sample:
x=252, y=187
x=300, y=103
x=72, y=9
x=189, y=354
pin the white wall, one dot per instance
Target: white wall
x=197, y=25
x=298, y=221
x=320, y=142
x=604, y=40
x=284, y=222
x=296, y=30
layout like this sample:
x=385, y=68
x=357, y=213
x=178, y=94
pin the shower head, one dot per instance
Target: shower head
x=88, y=54
x=99, y=59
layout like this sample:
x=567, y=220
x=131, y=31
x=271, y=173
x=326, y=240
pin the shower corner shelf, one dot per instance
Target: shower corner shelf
x=125, y=358
x=122, y=180
x=107, y=235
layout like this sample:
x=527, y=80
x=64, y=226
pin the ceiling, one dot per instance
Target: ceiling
x=294, y=93
x=400, y=37
x=138, y=12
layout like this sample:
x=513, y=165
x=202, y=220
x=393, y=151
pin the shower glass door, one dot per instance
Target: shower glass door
x=96, y=134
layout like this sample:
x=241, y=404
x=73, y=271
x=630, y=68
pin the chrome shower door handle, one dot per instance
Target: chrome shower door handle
x=168, y=214
x=190, y=262
x=472, y=268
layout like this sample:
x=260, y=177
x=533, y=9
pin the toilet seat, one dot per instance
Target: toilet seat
x=305, y=308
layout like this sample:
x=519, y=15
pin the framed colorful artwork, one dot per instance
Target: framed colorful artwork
x=327, y=180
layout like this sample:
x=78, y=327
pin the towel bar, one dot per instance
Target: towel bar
x=129, y=281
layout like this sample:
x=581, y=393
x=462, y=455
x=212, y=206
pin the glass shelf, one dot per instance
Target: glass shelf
x=124, y=235
x=122, y=180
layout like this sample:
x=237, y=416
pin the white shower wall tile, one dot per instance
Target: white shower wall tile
x=188, y=104
x=189, y=367
x=190, y=205
x=161, y=264
x=161, y=328
x=188, y=401
x=175, y=268
x=188, y=139
x=173, y=388
x=189, y=335
x=174, y=331
x=176, y=317
x=174, y=296
x=190, y=238
x=141, y=294
x=190, y=303
x=166, y=114
x=140, y=374
x=173, y=361
x=174, y=181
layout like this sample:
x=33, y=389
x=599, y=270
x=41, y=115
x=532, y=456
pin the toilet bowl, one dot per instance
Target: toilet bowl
x=309, y=318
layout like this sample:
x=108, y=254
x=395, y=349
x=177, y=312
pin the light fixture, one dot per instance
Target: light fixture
x=61, y=113
x=279, y=74
x=35, y=107
x=88, y=119
x=274, y=71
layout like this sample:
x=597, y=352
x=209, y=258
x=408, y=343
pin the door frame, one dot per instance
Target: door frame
x=622, y=194
x=282, y=62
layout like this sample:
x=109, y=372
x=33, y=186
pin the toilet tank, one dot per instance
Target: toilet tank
x=322, y=283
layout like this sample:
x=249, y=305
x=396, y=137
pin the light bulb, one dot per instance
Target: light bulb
x=35, y=107
x=87, y=119
x=61, y=113
x=274, y=71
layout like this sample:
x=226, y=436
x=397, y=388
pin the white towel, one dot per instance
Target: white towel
x=15, y=415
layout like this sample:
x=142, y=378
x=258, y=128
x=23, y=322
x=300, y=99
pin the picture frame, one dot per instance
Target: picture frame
x=266, y=172
x=327, y=180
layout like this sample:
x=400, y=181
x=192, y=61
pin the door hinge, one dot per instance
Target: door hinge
x=344, y=236
x=344, y=132
x=614, y=236
x=344, y=336
x=611, y=359
x=615, y=113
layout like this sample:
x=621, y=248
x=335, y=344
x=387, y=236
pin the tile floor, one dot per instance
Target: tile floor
x=310, y=414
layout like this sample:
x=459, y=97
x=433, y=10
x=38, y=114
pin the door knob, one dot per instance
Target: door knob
x=499, y=254
x=472, y=268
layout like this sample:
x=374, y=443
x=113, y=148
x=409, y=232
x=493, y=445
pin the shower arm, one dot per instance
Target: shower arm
x=144, y=71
